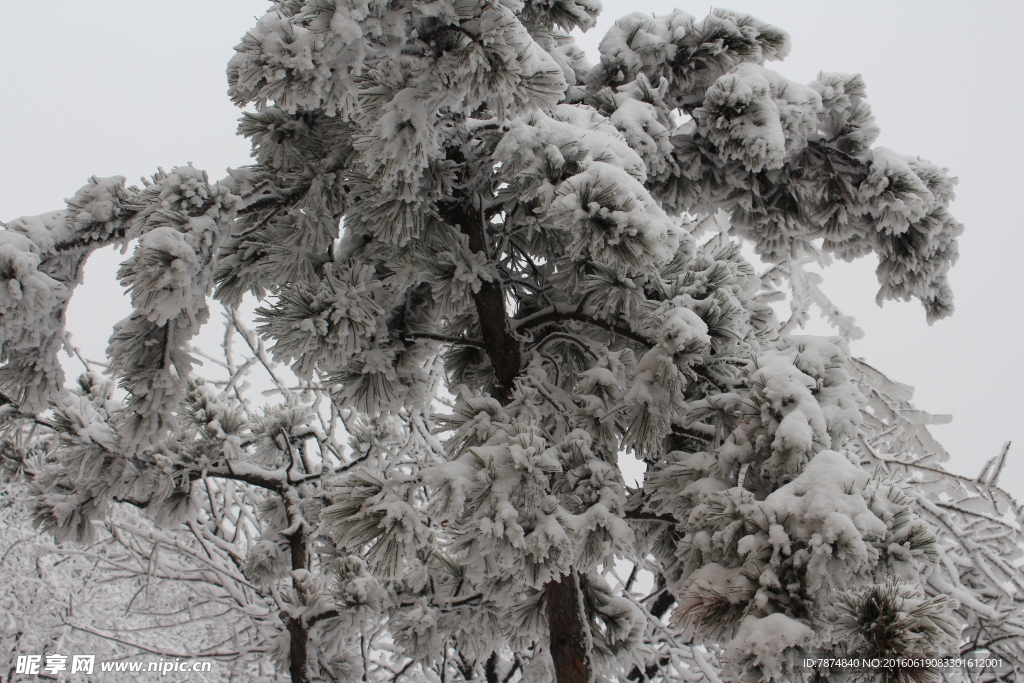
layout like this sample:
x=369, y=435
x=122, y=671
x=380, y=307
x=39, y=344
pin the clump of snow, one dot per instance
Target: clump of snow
x=760, y=651
x=612, y=219
x=688, y=53
x=824, y=508
x=847, y=121
x=758, y=117
x=325, y=325
x=97, y=205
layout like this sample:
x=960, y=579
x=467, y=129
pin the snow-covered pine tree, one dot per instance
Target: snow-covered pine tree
x=450, y=205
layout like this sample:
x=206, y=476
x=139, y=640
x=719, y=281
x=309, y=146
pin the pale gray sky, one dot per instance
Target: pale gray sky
x=119, y=87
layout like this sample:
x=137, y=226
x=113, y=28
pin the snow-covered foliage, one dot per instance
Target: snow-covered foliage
x=979, y=528
x=488, y=266
x=133, y=592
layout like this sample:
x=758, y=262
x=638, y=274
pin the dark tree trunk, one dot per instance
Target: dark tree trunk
x=491, y=668
x=571, y=650
x=501, y=347
x=298, y=629
x=569, y=632
x=298, y=651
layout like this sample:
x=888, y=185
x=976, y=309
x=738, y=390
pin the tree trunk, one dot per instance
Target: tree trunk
x=298, y=630
x=571, y=647
x=501, y=347
x=491, y=668
x=298, y=661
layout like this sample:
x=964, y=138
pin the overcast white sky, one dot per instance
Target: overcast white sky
x=119, y=87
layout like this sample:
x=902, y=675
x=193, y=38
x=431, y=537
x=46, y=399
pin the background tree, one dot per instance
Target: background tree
x=132, y=592
x=507, y=234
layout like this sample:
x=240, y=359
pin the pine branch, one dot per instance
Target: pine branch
x=565, y=336
x=162, y=653
x=649, y=517
x=460, y=341
x=405, y=668
x=272, y=480
x=312, y=617
x=562, y=313
x=91, y=241
x=6, y=400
